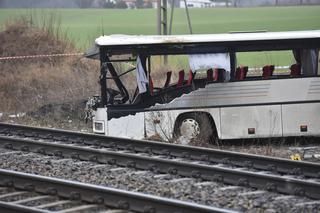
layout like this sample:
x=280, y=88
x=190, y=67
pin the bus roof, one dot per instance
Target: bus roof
x=124, y=40
x=204, y=43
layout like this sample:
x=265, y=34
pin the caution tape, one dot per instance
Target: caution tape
x=39, y=56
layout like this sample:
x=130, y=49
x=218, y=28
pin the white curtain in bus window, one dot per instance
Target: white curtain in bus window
x=207, y=61
x=309, y=61
x=141, y=77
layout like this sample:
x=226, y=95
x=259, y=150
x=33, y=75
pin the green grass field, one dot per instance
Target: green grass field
x=84, y=25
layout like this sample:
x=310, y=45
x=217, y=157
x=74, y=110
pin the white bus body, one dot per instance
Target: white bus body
x=250, y=108
x=269, y=107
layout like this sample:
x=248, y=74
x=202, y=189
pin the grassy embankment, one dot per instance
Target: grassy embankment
x=85, y=25
x=59, y=84
x=82, y=26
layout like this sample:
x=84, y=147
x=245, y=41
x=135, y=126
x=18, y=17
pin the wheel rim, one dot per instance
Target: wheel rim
x=189, y=128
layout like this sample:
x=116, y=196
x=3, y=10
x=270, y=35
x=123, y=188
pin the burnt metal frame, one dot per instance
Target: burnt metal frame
x=103, y=77
x=148, y=50
x=106, y=66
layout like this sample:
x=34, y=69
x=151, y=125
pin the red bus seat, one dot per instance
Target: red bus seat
x=267, y=71
x=168, y=80
x=216, y=74
x=191, y=76
x=181, y=78
x=241, y=73
x=219, y=74
x=210, y=75
x=151, y=87
x=272, y=69
x=295, y=70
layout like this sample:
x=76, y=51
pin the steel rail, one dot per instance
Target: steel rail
x=14, y=208
x=115, y=198
x=270, y=182
x=272, y=164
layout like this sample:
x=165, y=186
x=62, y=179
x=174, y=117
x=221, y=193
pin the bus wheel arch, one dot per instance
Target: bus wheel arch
x=195, y=126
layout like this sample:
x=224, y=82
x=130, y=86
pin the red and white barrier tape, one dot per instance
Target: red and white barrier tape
x=39, y=56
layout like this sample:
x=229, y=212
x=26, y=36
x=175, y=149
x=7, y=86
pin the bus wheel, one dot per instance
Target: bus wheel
x=193, y=127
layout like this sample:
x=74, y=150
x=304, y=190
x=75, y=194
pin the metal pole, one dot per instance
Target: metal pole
x=164, y=14
x=188, y=16
x=164, y=25
x=171, y=17
x=159, y=17
x=162, y=21
x=103, y=77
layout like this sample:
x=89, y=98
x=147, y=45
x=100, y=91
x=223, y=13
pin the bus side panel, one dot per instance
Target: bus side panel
x=100, y=119
x=296, y=116
x=131, y=126
x=251, y=122
x=215, y=114
x=160, y=124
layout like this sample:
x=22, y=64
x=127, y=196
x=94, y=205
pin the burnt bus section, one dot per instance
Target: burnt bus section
x=146, y=100
x=140, y=102
x=119, y=103
x=108, y=94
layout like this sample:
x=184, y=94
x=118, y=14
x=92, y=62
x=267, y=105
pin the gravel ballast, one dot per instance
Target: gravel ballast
x=165, y=185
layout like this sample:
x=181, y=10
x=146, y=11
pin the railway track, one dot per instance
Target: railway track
x=21, y=192
x=302, y=180
x=233, y=159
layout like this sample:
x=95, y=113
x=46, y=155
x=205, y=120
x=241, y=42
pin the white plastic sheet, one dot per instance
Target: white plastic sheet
x=309, y=61
x=207, y=61
x=213, y=60
x=141, y=77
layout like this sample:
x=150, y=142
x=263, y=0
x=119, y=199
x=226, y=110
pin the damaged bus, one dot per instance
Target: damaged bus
x=218, y=97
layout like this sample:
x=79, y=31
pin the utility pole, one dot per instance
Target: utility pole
x=188, y=16
x=171, y=17
x=162, y=17
x=162, y=21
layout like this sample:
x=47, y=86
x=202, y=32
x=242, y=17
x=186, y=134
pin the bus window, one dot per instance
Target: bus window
x=174, y=63
x=282, y=60
x=127, y=75
x=308, y=59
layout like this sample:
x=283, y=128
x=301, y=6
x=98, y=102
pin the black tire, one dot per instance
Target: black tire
x=204, y=126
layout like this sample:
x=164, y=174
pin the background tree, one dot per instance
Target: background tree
x=109, y=4
x=84, y=3
x=148, y=4
x=121, y=4
x=227, y=3
x=139, y=3
x=2, y=3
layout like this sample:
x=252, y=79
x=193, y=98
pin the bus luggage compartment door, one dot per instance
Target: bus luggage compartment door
x=251, y=122
x=301, y=119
